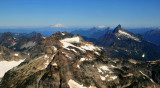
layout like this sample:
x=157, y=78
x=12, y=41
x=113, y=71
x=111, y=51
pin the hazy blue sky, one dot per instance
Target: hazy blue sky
x=38, y=13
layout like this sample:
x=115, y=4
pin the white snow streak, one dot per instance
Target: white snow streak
x=48, y=60
x=103, y=68
x=7, y=65
x=128, y=35
x=97, y=53
x=68, y=42
x=147, y=76
x=46, y=64
x=89, y=47
x=71, y=40
x=73, y=84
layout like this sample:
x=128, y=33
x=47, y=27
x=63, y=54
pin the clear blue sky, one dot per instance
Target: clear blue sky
x=38, y=13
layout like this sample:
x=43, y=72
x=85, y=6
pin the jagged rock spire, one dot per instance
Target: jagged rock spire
x=117, y=28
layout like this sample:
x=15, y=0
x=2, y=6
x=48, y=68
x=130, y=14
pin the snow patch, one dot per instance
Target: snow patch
x=82, y=59
x=28, y=45
x=128, y=35
x=63, y=33
x=71, y=49
x=78, y=66
x=54, y=64
x=113, y=77
x=46, y=56
x=43, y=37
x=97, y=53
x=55, y=49
x=104, y=69
x=132, y=61
x=47, y=62
x=66, y=55
x=67, y=42
x=89, y=47
x=86, y=59
x=113, y=66
x=73, y=84
x=143, y=55
x=16, y=54
x=7, y=65
x=71, y=40
x=74, y=50
x=102, y=78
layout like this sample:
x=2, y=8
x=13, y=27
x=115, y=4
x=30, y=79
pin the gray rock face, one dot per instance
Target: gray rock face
x=67, y=61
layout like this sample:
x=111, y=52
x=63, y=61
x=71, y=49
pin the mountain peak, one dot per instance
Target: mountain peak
x=117, y=28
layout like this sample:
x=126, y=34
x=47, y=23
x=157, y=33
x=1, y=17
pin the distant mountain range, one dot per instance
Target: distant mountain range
x=46, y=31
x=142, y=30
x=20, y=41
x=92, y=33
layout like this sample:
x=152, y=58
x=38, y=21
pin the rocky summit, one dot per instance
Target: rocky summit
x=67, y=61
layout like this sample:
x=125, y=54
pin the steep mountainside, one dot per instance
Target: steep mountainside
x=9, y=55
x=123, y=44
x=67, y=61
x=153, y=35
x=20, y=42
